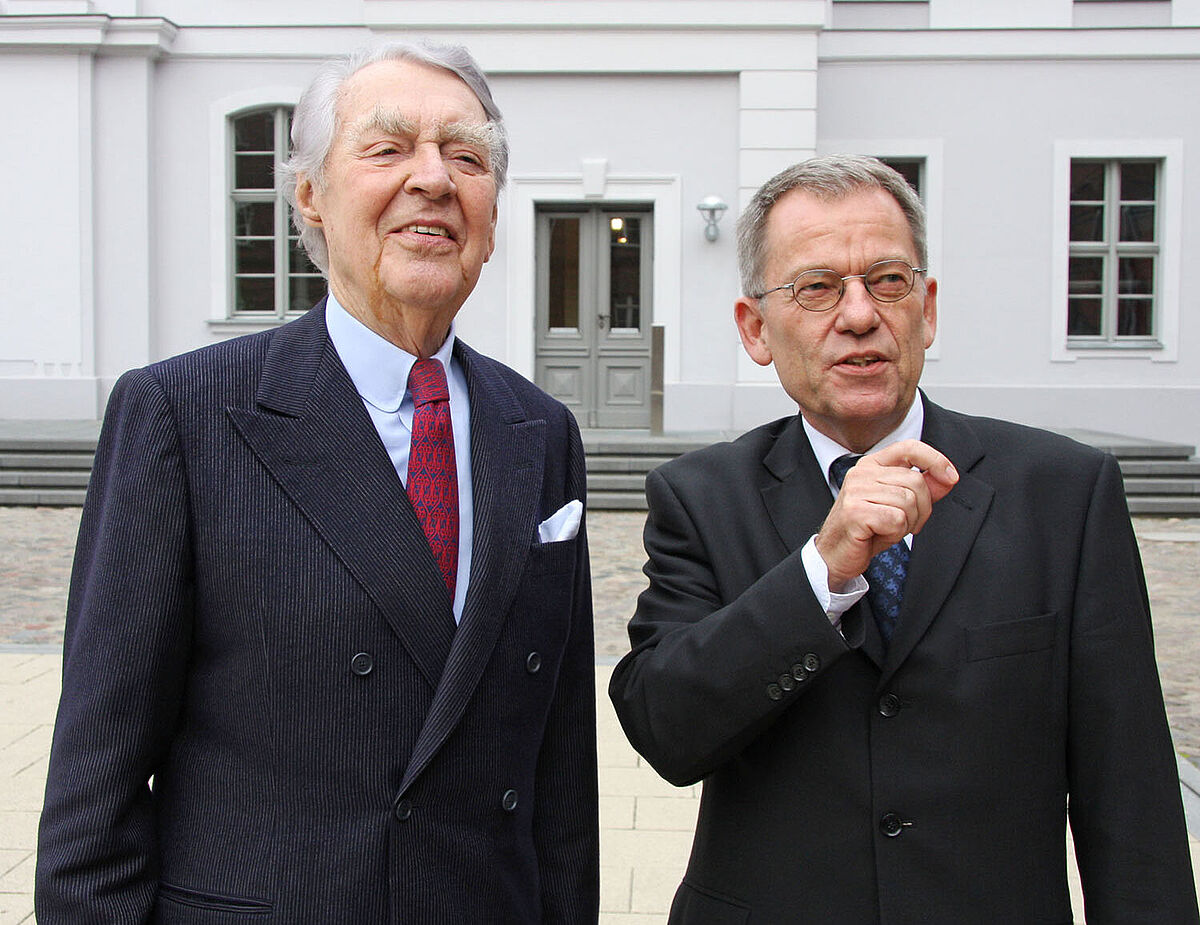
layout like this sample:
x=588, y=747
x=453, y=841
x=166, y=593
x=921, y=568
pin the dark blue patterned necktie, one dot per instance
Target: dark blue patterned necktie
x=886, y=572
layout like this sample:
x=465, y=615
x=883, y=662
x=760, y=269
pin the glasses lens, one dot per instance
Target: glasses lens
x=817, y=290
x=889, y=281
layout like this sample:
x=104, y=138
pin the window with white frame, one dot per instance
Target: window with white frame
x=271, y=275
x=1112, y=271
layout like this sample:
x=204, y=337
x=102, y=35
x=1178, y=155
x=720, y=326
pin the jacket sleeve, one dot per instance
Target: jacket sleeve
x=566, y=823
x=713, y=666
x=1126, y=813
x=124, y=658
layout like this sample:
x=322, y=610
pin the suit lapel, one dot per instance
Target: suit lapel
x=313, y=435
x=797, y=498
x=507, y=455
x=940, y=550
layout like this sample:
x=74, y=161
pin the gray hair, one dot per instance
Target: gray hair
x=315, y=121
x=832, y=177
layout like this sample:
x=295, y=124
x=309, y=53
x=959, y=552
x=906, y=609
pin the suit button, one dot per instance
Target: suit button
x=799, y=672
x=787, y=682
x=533, y=662
x=509, y=801
x=812, y=662
x=362, y=664
x=774, y=691
x=891, y=825
x=889, y=705
x=403, y=810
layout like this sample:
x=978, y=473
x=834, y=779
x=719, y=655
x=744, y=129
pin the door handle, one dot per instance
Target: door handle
x=602, y=321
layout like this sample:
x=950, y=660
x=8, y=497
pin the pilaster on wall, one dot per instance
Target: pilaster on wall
x=59, y=273
x=778, y=112
x=778, y=128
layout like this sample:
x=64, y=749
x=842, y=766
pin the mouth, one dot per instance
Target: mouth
x=864, y=361
x=431, y=231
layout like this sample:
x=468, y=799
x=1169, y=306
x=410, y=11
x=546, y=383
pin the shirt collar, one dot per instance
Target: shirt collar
x=377, y=367
x=827, y=450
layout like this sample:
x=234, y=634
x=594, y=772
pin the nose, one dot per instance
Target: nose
x=856, y=311
x=428, y=175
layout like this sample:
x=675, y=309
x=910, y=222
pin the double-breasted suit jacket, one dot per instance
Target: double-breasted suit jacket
x=256, y=622
x=929, y=784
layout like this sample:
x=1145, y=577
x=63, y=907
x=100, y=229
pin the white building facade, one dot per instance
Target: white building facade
x=1056, y=144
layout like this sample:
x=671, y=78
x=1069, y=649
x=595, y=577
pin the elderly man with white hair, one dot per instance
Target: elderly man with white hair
x=329, y=638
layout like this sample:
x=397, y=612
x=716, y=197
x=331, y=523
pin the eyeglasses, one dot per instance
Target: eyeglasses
x=821, y=290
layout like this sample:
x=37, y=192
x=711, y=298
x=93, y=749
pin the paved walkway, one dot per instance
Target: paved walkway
x=646, y=824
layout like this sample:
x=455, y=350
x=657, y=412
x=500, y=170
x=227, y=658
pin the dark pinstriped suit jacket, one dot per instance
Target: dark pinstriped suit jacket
x=256, y=622
x=928, y=784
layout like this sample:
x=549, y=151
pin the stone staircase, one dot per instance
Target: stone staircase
x=48, y=463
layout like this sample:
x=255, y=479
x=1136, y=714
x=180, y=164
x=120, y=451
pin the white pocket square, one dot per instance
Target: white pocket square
x=563, y=524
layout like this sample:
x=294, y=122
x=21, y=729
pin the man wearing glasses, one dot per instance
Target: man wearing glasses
x=899, y=645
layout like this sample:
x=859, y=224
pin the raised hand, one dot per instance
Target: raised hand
x=886, y=496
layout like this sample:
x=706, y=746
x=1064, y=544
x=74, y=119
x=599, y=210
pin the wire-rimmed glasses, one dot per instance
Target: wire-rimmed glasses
x=821, y=290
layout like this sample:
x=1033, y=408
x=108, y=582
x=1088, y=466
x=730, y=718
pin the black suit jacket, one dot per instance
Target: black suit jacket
x=929, y=784
x=256, y=622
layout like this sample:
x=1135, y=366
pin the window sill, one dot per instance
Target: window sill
x=249, y=324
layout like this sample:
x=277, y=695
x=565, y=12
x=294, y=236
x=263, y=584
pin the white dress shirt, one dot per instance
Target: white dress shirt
x=379, y=370
x=826, y=451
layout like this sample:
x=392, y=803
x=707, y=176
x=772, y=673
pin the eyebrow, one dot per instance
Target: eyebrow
x=393, y=122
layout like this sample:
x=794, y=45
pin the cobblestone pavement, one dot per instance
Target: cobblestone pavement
x=36, y=546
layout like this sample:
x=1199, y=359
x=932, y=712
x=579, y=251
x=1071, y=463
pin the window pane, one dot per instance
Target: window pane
x=256, y=255
x=305, y=292
x=1136, y=275
x=254, y=171
x=1083, y=317
x=254, y=132
x=299, y=262
x=1087, y=223
x=255, y=294
x=254, y=219
x=1085, y=275
x=909, y=169
x=1138, y=181
x=564, y=273
x=1137, y=223
x=1087, y=181
x=1133, y=318
x=625, y=271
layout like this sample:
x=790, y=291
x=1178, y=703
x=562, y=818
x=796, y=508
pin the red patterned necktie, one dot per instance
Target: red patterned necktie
x=432, y=476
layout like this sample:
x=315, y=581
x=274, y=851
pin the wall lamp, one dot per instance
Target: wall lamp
x=712, y=208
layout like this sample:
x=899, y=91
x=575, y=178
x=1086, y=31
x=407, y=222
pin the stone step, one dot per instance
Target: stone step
x=615, y=501
x=46, y=460
x=603, y=482
x=642, y=464
x=1165, y=506
x=42, y=497
x=44, y=478
x=1171, y=468
x=1162, y=486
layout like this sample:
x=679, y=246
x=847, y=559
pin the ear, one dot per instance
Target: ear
x=929, y=312
x=752, y=327
x=306, y=201
x=492, y=234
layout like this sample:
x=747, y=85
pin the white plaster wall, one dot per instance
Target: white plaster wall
x=998, y=123
x=45, y=239
x=643, y=126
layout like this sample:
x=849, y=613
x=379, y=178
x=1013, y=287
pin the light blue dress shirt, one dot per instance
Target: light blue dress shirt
x=379, y=370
